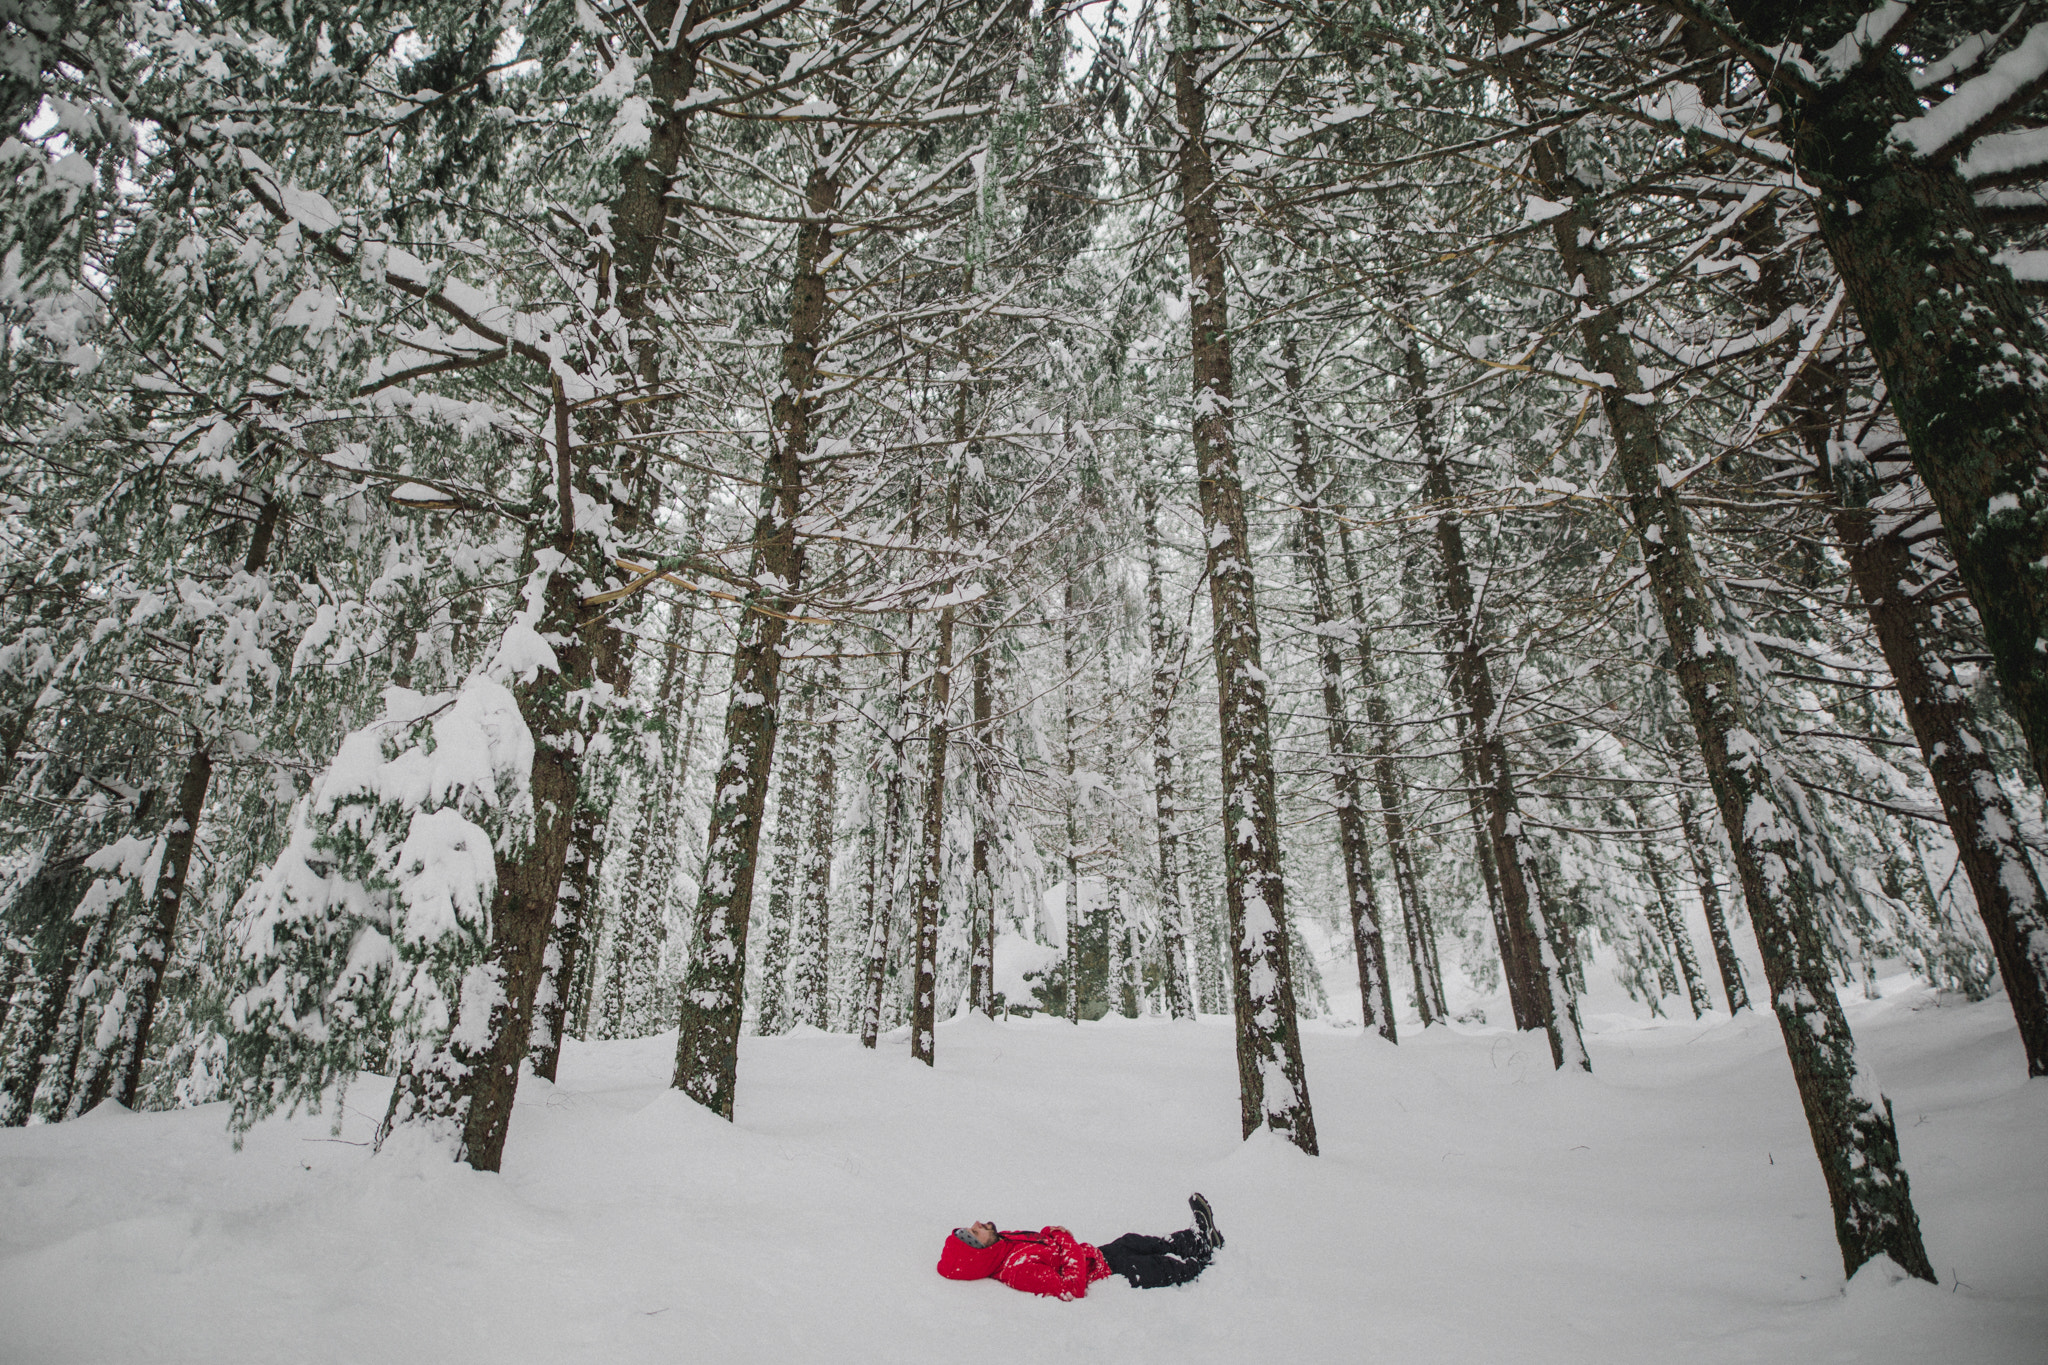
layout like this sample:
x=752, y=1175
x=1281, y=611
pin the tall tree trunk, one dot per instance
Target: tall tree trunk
x=117, y=1068
x=1173, y=917
x=813, y=971
x=772, y=1013
x=1393, y=795
x=1957, y=343
x=707, y=1045
x=981, y=967
x=39, y=1040
x=882, y=902
x=938, y=733
x=1779, y=859
x=1368, y=943
x=1528, y=952
x=1272, y=1082
x=1981, y=816
x=1069, y=731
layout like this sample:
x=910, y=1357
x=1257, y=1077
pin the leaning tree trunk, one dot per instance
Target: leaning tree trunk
x=1527, y=951
x=1368, y=943
x=1980, y=814
x=1173, y=925
x=1899, y=595
x=1272, y=1083
x=707, y=1045
x=1782, y=867
x=1665, y=918
x=1710, y=904
x=1960, y=349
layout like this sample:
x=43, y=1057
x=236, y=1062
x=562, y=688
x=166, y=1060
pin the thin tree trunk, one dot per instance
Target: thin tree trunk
x=1272, y=1082
x=772, y=1014
x=1069, y=729
x=32, y=1055
x=925, y=983
x=1665, y=918
x=119, y=1067
x=882, y=905
x=813, y=972
x=1710, y=903
x=1173, y=926
x=1528, y=952
x=1415, y=918
x=1368, y=942
x=981, y=969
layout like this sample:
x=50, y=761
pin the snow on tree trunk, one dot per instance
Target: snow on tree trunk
x=938, y=733
x=1368, y=943
x=707, y=1048
x=568, y=941
x=772, y=1014
x=882, y=895
x=814, y=948
x=1710, y=904
x=1980, y=814
x=1173, y=918
x=1784, y=869
x=1272, y=1083
x=1527, y=950
x=981, y=969
x=1415, y=918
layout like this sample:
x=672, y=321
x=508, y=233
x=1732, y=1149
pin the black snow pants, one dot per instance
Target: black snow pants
x=1154, y=1262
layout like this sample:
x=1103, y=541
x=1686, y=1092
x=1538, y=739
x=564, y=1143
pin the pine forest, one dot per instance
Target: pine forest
x=775, y=618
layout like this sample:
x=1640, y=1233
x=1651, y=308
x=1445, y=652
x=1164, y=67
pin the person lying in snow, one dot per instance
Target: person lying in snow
x=1050, y=1261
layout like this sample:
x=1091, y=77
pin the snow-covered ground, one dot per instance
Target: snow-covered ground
x=1469, y=1206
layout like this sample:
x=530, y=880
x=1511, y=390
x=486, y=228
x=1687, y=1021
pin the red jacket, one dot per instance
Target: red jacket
x=1048, y=1261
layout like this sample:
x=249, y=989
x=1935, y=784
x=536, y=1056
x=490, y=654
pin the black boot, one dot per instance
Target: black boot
x=1205, y=1221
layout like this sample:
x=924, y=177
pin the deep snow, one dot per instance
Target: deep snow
x=1469, y=1206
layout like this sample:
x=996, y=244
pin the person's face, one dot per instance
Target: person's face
x=984, y=1234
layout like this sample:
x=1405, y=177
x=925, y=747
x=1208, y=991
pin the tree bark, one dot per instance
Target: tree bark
x=882, y=902
x=1527, y=950
x=938, y=733
x=707, y=1046
x=1272, y=1082
x=981, y=968
x=792, y=783
x=1368, y=942
x=813, y=972
x=574, y=911
x=1069, y=731
x=1173, y=926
